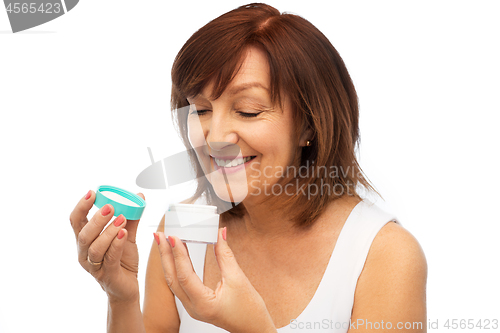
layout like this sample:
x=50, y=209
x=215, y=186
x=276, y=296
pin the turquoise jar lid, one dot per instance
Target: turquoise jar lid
x=125, y=202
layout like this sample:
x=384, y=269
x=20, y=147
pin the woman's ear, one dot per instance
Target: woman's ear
x=307, y=135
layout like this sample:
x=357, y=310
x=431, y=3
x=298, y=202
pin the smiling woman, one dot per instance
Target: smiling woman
x=268, y=107
x=298, y=73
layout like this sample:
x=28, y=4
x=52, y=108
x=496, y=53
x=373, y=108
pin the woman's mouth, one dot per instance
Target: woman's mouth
x=230, y=166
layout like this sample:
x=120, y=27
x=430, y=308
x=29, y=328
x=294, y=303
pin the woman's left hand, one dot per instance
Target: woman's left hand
x=234, y=305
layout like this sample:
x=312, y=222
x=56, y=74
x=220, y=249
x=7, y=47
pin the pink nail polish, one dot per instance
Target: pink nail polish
x=224, y=233
x=121, y=233
x=171, y=240
x=157, y=238
x=119, y=220
x=105, y=211
x=87, y=196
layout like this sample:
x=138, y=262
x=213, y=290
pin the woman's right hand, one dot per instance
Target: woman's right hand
x=110, y=256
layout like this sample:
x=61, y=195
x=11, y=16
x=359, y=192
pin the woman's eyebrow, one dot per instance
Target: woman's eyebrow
x=245, y=86
x=198, y=98
x=232, y=91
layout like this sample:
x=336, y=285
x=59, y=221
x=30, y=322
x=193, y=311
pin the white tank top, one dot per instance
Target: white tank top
x=331, y=306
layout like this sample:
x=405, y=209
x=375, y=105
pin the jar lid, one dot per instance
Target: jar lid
x=124, y=202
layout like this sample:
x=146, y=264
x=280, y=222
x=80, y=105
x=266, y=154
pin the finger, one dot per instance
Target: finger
x=133, y=224
x=78, y=217
x=189, y=281
x=92, y=230
x=187, y=251
x=97, y=250
x=225, y=257
x=168, y=264
x=114, y=253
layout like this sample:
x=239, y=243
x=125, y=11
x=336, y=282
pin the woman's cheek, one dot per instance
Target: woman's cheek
x=196, y=133
x=198, y=143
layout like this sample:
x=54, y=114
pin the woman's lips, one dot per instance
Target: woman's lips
x=227, y=170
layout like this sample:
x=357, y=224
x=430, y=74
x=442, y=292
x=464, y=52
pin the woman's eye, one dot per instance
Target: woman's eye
x=249, y=114
x=199, y=112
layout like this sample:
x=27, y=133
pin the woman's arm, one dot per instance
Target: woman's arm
x=391, y=291
x=160, y=312
x=125, y=317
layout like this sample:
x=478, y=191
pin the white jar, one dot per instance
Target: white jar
x=192, y=223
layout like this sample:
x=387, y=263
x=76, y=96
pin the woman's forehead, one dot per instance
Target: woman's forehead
x=253, y=75
x=237, y=89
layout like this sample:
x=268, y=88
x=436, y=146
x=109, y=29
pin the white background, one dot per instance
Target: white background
x=83, y=96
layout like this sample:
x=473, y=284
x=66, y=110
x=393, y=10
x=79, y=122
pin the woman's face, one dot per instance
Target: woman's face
x=244, y=127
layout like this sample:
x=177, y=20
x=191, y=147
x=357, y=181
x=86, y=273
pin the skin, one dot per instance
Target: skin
x=253, y=275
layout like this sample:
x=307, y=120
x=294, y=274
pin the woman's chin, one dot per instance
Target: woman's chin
x=234, y=194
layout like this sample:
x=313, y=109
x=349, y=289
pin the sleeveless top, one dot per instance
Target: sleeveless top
x=331, y=306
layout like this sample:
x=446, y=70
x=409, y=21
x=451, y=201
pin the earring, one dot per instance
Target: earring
x=308, y=143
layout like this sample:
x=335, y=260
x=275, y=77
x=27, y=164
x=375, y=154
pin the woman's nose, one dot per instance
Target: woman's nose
x=221, y=132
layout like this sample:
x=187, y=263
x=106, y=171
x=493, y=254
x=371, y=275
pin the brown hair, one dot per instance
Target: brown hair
x=303, y=66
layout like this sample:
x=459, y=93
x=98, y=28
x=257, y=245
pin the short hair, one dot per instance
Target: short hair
x=305, y=67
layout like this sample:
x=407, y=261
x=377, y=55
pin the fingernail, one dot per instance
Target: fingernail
x=224, y=233
x=87, y=196
x=105, y=211
x=171, y=240
x=121, y=233
x=119, y=220
x=157, y=239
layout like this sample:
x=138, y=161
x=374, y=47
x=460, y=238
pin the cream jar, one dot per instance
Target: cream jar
x=192, y=223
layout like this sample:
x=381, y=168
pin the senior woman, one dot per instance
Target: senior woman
x=302, y=251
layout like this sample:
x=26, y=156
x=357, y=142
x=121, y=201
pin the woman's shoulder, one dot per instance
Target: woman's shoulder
x=396, y=268
x=391, y=242
x=393, y=245
x=394, y=242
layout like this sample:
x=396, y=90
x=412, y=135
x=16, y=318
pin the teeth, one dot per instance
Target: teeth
x=233, y=163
